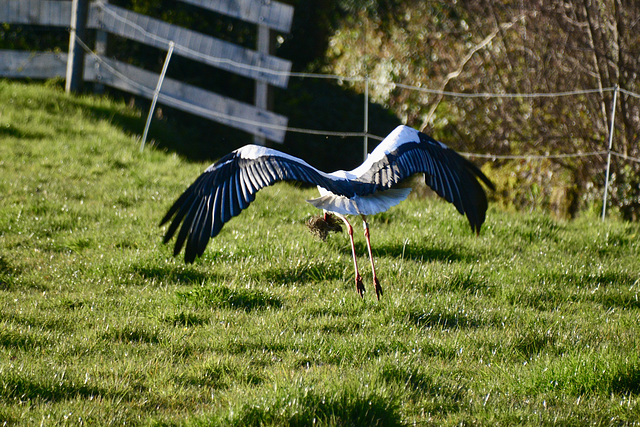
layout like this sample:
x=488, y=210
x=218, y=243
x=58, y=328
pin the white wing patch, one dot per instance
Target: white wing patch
x=361, y=205
x=400, y=135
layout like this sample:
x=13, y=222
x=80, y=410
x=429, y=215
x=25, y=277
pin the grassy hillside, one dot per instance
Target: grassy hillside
x=534, y=321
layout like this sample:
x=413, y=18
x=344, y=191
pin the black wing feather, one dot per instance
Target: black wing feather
x=450, y=175
x=230, y=185
x=200, y=214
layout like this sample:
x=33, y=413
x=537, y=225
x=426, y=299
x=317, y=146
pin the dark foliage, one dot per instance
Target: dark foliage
x=474, y=46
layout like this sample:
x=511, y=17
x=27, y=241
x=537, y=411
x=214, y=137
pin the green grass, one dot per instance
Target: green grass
x=536, y=321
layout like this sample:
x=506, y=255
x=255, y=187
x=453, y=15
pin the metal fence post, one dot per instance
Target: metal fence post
x=365, y=143
x=611, y=127
x=155, y=95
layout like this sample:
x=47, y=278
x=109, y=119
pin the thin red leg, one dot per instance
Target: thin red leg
x=359, y=284
x=376, y=282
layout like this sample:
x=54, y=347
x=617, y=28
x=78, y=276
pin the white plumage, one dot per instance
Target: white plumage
x=359, y=205
x=229, y=185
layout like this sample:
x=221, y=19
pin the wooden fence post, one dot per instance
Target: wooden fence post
x=75, y=61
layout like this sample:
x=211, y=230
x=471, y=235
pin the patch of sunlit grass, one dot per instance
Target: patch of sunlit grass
x=535, y=321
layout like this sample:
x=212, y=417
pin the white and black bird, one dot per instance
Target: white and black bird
x=229, y=185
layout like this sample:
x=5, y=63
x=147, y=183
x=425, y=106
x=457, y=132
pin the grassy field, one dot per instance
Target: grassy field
x=536, y=321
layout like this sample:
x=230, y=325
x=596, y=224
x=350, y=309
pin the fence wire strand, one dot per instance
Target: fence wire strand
x=340, y=78
x=625, y=157
x=628, y=92
x=356, y=79
x=533, y=156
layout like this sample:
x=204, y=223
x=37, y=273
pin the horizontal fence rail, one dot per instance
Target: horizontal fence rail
x=190, y=44
x=140, y=82
x=36, y=12
x=105, y=18
x=47, y=65
x=277, y=16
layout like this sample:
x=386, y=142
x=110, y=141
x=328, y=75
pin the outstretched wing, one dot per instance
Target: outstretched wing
x=229, y=186
x=406, y=152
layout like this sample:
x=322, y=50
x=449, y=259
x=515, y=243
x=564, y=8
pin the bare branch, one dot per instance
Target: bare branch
x=454, y=74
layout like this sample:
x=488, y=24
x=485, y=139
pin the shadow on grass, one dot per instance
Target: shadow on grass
x=47, y=389
x=604, y=278
x=628, y=380
x=447, y=396
x=18, y=340
x=310, y=272
x=132, y=334
x=11, y=278
x=611, y=289
x=625, y=300
x=222, y=375
x=413, y=252
x=187, y=319
x=255, y=346
x=422, y=253
x=12, y=132
x=464, y=281
x=219, y=296
x=36, y=324
x=598, y=374
x=542, y=299
x=530, y=343
x=8, y=274
x=177, y=274
x=536, y=229
x=305, y=407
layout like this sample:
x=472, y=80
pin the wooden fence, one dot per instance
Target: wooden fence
x=258, y=65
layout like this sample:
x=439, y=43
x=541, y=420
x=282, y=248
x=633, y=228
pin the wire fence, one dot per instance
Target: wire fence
x=364, y=133
x=383, y=83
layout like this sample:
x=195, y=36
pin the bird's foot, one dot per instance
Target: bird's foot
x=376, y=284
x=360, y=286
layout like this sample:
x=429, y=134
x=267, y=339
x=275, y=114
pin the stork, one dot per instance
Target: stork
x=228, y=186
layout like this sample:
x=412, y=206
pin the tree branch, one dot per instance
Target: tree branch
x=454, y=74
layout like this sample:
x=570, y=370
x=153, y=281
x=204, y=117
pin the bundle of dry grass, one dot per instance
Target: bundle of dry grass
x=322, y=225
